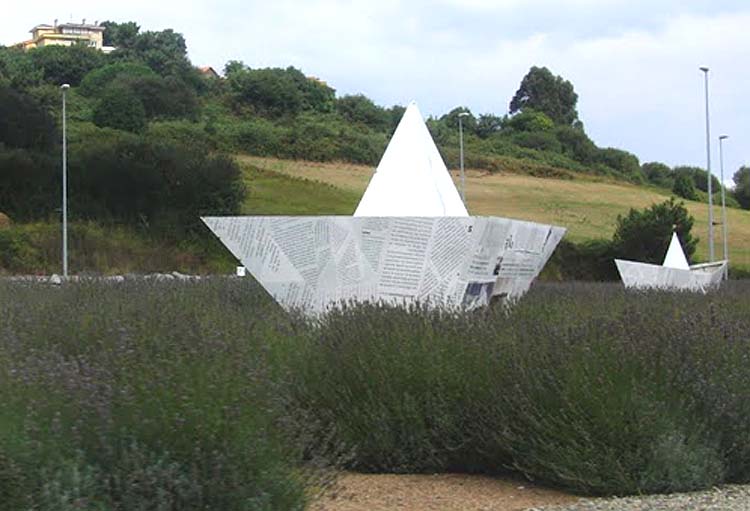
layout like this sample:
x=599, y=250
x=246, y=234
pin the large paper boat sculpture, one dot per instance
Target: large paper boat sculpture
x=675, y=273
x=410, y=240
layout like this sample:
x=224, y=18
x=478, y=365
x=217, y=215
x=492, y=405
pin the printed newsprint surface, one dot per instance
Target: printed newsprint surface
x=311, y=263
x=699, y=278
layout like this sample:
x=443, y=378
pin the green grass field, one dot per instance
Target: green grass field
x=587, y=207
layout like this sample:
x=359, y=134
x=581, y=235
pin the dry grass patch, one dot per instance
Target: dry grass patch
x=587, y=207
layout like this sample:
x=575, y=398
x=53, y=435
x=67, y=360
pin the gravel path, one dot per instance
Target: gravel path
x=726, y=498
x=438, y=492
x=447, y=492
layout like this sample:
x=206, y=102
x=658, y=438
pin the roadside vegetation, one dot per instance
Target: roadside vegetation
x=195, y=395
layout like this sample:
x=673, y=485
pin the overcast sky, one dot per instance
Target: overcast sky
x=634, y=63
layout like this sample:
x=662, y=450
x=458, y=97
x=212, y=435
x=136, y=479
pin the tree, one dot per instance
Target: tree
x=468, y=122
x=24, y=123
x=658, y=174
x=530, y=120
x=622, y=162
x=645, y=235
x=684, y=187
x=576, y=144
x=159, y=185
x=361, y=109
x=164, y=51
x=488, y=124
x=396, y=112
x=120, y=108
x=17, y=69
x=164, y=98
x=699, y=177
x=742, y=187
x=234, y=66
x=540, y=90
x=276, y=92
x=539, y=140
x=120, y=35
x=66, y=64
x=95, y=82
x=29, y=184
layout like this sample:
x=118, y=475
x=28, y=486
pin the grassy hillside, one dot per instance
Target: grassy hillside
x=587, y=207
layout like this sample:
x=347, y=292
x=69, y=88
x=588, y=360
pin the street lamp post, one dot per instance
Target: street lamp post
x=461, y=154
x=725, y=252
x=708, y=169
x=64, y=87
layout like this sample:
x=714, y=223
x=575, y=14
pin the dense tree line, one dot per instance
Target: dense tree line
x=120, y=172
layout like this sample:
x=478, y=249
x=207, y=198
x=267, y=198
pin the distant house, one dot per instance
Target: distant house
x=67, y=34
x=208, y=72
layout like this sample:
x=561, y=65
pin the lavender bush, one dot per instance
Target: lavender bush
x=205, y=395
x=144, y=395
x=589, y=387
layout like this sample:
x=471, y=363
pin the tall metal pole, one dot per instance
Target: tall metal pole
x=708, y=170
x=725, y=253
x=64, y=89
x=461, y=157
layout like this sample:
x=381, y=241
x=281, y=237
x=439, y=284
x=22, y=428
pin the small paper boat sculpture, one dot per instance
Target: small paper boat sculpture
x=675, y=273
x=410, y=239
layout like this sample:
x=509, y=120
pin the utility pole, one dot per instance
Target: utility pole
x=708, y=169
x=64, y=87
x=725, y=253
x=461, y=157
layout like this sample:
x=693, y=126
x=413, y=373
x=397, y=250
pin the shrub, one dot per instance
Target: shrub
x=539, y=140
x=313, y=137
x=133, y=396
x=23, y=123
x=360, y=109
x=66, y=64
x=257, y=136
x=645, y=235
x=684, y=187
x=699, y=177
x=164, y=98
x=29, y=184
x=622, y=162
x=591, y=260
x=278, y=92
x=158, y=185
x=97, y=81
x=576, y=144
x=120, y=108
x=153, y=392
x=16, y=252
x=590, y=387
x=658, y=174
x=529, y=120
x=742, y=186
x=183, y=133
x=105, y=249
x=361, y=146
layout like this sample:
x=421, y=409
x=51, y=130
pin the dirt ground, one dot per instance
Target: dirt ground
x=444, y=492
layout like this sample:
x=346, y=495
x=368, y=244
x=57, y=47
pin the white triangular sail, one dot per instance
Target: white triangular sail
x=411, y=179
x=675, y=255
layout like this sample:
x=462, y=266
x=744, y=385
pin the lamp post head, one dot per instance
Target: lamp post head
x=463, y=114
x=65, y=86
x=723, y=137
x=704, y=69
